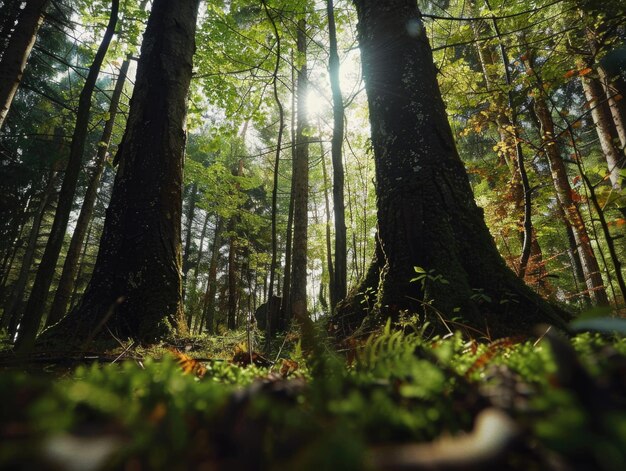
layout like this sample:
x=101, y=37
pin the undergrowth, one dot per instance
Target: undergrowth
x=566, y=398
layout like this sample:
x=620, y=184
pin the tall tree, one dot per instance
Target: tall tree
x=15, y=56
x=70, y=266
x=135, y=289
x=39, y=293
x=427, y=215
x=301, y=188
x=340, y=273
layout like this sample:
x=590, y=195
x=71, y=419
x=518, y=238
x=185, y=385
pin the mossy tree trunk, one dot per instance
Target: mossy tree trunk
x=427, y=216
x=135, y=290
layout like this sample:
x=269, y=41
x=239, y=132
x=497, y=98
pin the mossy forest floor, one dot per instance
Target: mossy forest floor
x=390, y=401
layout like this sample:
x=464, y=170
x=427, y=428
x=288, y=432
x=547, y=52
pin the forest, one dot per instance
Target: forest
x=341, y=234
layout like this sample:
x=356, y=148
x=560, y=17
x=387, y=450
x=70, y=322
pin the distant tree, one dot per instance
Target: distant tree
x=428, y=220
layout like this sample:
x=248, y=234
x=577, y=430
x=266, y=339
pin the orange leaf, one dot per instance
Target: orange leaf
x=576, y=179
x=575, y=196
x=585, y=71
x=617, y=97
x=569, y=73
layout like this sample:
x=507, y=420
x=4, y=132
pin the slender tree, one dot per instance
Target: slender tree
x=135, y=290
x=301, y=189
x=70, y=266
x=15, y=56
x=39, y=293
x=339, y=279
x=427, y=216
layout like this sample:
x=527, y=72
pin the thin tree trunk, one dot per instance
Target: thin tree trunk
x=16, y=54
x=329, y=253
x=591, y=269
x=37, y=300
x=301, y=192
x=188, y=236
x=285, y=308
x=615, y=160
x=270, y=322
x=82, y=263
x=231, y=321
x=13, y=307
x=70, y=267
x=208, y=312
x=617, y=109
x=135, y=289
x=338, y=277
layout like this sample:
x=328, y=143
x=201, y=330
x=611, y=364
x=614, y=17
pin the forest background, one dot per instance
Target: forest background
x=284, y=201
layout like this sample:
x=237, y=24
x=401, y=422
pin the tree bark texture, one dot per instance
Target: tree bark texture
x=18, y=49
x=70, y=266
x=37, y=300
x=616, y=104
x=427, y=215
x=616, y=160
x=135, y=290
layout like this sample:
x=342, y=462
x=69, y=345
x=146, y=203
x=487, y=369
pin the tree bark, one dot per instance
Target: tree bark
x=301, y=190
x=616, y=105
x=208, y=312
x=233, y=280
x=339, y=275
x=37, y=300
x=188, y=236
x=427, y=216
x=135, y=289
x=70, y=266
x=16, y=54
x=615, y=159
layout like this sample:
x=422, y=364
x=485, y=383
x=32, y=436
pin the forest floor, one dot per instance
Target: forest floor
x=390, y=401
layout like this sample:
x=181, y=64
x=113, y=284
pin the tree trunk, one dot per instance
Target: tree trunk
x=70, y=267
x=427, y=216
x=615, y=159
x=135, y=289
x=339, y=277
x=233, y=281
x=301, y=190
x=16, y=54
x=616, y=104
x=285, y=307
x=208, y=312
x=188, y=236
x=329, y=253
x=13, y=308
x=37, y=300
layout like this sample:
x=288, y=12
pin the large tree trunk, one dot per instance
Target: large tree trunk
x=18, y=49
x=339, y=276
x=427, y=215
x=37, y=300
x=135, y=290
x=70, y=266
x=193, y=195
